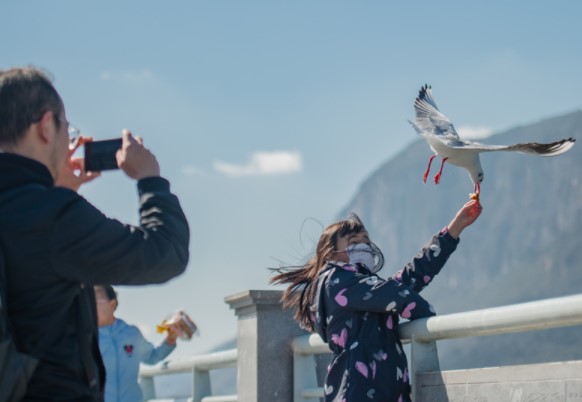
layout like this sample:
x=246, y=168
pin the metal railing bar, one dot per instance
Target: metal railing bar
x=312, y=393
x=222, y=398
x=309, y=345
x=523, y=317
x=211, y=361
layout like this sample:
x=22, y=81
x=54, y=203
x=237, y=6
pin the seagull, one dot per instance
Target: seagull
x=438, y=131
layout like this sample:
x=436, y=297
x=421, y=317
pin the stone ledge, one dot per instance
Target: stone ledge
x=546, y=382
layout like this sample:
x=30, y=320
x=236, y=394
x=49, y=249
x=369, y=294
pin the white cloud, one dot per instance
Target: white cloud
x=128, y=76
x=263, y=164
x=189, y=170
x=474, y=133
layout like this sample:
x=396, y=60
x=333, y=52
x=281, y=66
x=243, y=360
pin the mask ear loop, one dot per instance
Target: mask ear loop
x=377, y=253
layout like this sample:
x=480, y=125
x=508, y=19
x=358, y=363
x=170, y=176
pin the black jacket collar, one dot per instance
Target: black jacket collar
x=16, y=170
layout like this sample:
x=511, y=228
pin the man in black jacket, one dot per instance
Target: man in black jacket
x=57, y=245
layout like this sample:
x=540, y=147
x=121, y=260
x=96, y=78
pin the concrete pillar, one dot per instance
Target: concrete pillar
x=424, y=359
x=264, y=335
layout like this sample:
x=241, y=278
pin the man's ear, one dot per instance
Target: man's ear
x=46, y=127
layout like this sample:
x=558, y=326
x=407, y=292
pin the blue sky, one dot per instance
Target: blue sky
x=266, y=113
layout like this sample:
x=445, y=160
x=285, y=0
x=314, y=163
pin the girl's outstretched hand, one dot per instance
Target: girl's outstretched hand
x=465, y=217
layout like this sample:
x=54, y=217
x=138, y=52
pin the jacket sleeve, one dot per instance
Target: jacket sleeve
x=151, y=354
x=418, y=273
x=358, y=292
x=89, y=248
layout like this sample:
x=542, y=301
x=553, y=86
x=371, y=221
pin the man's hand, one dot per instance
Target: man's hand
x=72, y=174
x=465, y=217
x=136, y=160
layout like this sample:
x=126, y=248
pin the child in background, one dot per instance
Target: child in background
x=123, y=347
x=338, y=295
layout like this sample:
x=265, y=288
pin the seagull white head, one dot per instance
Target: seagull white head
x=476, y=173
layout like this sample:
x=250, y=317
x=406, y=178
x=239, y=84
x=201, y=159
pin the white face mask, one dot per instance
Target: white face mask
x=362, y=253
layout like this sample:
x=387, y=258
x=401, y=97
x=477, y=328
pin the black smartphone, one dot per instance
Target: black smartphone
x=100, y=155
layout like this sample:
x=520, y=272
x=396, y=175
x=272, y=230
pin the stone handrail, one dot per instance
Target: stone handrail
x=200, y=367
x=276, y=360
x=423, y=334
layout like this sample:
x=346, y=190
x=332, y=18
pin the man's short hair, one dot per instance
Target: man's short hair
x=25, y=95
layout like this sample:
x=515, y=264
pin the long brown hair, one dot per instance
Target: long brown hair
x=301, y=290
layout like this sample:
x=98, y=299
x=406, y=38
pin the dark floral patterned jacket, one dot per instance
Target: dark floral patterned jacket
x=357, y=314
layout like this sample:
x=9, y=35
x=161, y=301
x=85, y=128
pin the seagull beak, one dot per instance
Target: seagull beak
x=475, y=195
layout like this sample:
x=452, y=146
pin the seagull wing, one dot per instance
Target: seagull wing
x=532, y=148
x=429, y=120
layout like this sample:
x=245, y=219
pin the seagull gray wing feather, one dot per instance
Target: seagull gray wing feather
x=532, y=148
x=429, y=120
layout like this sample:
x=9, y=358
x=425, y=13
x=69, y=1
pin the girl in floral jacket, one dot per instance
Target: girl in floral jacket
x=338, y=295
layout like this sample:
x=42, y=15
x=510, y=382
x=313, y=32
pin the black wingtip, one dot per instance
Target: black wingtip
x=423, y=90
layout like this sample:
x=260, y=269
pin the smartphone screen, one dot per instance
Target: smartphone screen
x=100, y=155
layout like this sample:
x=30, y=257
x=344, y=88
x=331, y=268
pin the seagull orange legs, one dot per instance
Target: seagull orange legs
x=427, y=171
x=437, y=178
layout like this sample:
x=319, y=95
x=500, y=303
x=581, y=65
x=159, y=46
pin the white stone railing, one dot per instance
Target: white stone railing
x=263, y=358
x=200, y=367
x=422, y=335
x=276, y=360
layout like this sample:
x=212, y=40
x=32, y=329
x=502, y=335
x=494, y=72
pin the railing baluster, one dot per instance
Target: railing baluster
x=200, y=384
x=147, y=387
x=199, y=366
x=304, y=376
x=424, y=358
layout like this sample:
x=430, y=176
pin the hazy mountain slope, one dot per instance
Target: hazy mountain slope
x=527, y=245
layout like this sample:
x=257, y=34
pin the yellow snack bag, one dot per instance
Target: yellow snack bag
x=182, y=323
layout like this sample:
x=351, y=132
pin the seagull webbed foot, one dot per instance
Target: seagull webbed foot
x=437, y=178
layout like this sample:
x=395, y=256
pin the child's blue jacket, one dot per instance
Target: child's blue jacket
x=123, y=347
